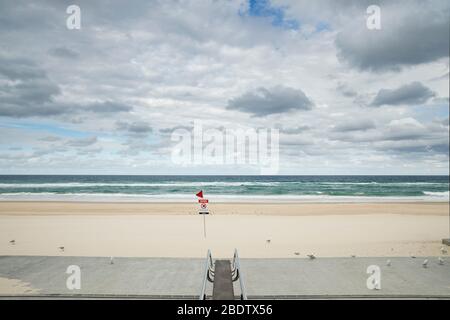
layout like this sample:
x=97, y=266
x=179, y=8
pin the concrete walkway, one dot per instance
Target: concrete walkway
x=264, y=278
x=177, y=278
x=344, y=277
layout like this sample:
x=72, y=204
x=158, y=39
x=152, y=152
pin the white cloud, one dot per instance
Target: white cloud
x=135, y=71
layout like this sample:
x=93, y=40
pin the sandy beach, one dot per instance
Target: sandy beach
x=176, y=230
x=226, y=208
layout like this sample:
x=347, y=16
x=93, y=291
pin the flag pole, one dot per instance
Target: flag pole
x=204, y=225
x=202, y=212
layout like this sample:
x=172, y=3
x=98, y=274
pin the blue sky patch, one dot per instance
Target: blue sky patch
x=264, y=9
x=50, y=128
x=323, y=26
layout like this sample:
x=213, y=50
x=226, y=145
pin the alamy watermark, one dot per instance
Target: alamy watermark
x=249, y=146
x=373, y=19
x=73, y=281
x=73, y=21
x=373, y=282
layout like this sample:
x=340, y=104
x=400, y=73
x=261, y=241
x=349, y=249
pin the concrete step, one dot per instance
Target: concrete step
x=223, y=284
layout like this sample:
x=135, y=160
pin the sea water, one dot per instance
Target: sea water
x=224, y=188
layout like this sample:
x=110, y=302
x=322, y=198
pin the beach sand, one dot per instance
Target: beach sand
x=15, y=287
x=176, y=230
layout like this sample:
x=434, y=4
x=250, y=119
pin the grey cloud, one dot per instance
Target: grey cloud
x=28, y=92
x=14, y=156
x=172, y=129
x=410, y=129
x=355, y=125
x=293, y=130
x=21, y=107
x=399, y=134
x=64, y=52
x=134, y=127
x=20, y=69
x=424, y=147
x=81, y=142
x=413, y=32
x=99, y=107
x=38, y=152
x=50, y=139
x=29, y=110
x=295, y=140
x=106, y=107
x=89, y=151
x=25, y=90
x=41, y=152
x=263, y=102
x=439, y=148
x=346, y=91
x=134, y=147
x=413, y=93
x=407, y=129
x=25, y=16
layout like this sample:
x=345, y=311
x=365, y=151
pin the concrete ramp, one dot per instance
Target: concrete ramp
x=223, y=283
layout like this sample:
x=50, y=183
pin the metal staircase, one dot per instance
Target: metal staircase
x=222, y=273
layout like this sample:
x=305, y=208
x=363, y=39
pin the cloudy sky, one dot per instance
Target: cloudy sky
x=104, y=99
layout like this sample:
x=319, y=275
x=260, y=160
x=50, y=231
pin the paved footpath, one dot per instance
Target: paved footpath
x=126, y=276
x=263, y=278
x=345, y=277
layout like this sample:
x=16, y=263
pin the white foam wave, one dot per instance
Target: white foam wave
x=168, y=184
x=122, y=197
x=437, y=194
x=202, y=184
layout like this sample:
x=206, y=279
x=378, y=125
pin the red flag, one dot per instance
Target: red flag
x=200, y=194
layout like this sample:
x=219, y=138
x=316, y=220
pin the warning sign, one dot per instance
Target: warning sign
x=203, y=206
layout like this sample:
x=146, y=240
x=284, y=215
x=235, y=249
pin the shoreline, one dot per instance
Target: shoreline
x=33, y=208
x=222, y=199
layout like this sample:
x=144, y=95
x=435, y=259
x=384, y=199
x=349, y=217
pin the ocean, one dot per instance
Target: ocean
x=223, y=188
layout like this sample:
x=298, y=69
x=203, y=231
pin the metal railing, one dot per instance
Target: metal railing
x=207, y=273
x=236, y=274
